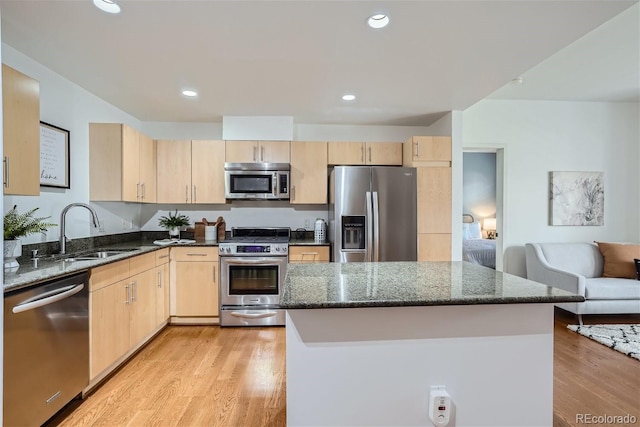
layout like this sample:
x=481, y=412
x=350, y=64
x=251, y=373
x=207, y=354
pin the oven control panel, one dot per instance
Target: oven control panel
x=252, y=249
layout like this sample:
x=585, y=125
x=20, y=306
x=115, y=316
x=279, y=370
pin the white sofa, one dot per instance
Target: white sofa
x=577, y=268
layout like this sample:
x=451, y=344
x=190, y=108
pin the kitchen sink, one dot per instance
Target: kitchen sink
x=97, y=255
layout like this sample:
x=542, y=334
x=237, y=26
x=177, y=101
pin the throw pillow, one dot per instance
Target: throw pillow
x=475, y=232
x=637, y=261
x=618, y=259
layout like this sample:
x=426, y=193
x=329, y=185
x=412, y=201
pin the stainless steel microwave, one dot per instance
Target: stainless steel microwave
x=256, y=181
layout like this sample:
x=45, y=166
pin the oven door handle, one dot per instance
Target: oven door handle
x=250, y=262
x=258, y=315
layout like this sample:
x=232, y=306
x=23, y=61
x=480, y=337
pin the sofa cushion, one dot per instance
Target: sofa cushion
x=612, y=288
x=618, y=259
x=578, y=258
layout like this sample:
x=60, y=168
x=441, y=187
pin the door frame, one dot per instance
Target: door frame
x=500, y=152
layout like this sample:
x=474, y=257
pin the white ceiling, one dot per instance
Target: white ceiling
x=296, y=58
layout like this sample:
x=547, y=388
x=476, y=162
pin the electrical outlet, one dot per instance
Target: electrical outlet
x=102, y=225
x=307, y=224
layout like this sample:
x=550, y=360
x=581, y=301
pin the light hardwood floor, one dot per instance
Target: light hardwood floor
x=211, y=376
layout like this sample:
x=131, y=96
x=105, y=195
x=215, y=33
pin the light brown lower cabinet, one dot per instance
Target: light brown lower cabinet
x=434, y=247
x=142, y=306
x=109, y=319
x=194, y=284
x=308, y=254
x=162, y=286
x=122, y=311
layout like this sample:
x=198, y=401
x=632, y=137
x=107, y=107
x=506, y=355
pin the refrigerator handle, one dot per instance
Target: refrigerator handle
x=376, y=228
x=368, y=252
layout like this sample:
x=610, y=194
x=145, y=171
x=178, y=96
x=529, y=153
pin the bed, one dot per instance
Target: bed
x=475, y=249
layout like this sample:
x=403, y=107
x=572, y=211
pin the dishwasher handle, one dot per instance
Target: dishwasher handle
x=48, y=298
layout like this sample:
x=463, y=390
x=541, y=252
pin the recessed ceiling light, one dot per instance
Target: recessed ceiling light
x=348, y=97
x=190, y=93
x=107, y=5
x=517, y=81
x=378, y=21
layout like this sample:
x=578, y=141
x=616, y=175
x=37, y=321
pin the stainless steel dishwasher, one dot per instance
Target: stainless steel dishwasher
x=46, y=348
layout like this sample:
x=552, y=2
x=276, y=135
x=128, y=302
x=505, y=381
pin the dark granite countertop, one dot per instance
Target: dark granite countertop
x=394, y=284
x=51, y=267
x=306, y=242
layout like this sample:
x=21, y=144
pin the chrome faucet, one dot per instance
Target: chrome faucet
x=63, y=238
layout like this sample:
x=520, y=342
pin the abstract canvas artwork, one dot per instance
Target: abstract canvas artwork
x=576, y=198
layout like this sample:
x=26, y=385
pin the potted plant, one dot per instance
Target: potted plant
x=18, y=225
x=173, y=223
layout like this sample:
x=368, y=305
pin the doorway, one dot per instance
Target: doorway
x=483, y=191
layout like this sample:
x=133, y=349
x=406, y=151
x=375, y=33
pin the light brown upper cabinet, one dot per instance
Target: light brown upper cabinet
x=190, y=171
x=122, y=164
x=308, y=173
x=21, y=133
x=365, y=153
x=427, y=151
x=207, y=171
x=434, y=200
x=174, y=171
x=431, y=155
x=257, y=151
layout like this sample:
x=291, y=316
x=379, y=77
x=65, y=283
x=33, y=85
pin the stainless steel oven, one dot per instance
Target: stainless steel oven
x=252, y=271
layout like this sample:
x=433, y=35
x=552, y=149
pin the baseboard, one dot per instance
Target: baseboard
x=179, y=320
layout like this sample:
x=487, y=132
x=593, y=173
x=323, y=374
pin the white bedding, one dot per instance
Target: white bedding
x=479, y=251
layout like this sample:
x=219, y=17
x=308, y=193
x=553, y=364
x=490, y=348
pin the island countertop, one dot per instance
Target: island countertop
x=395, y=284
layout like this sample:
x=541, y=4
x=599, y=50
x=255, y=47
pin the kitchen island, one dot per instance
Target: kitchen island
x=367, y=341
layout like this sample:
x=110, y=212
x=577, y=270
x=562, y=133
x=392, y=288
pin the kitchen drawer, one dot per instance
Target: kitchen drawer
x=162, y=256
x=308, y=254
x=105, y=275
x=142, y=263
x=195, y=254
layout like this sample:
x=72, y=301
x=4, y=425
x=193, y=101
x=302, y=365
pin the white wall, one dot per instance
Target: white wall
x=479, y=185
x=1, y=272
x=542, y=136
x=66, y=105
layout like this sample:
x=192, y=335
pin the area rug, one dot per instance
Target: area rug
x=623, y=338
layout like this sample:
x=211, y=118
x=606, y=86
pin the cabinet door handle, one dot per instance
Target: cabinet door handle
x=293, y=192
x=369, y=154
x=160, y=278
x=196, y=254
x=6, y=171
x=254, y=153
x=215, y=279
x=186, y=194
x=417, y=149
x=127, y=290
x=262, y=154
x=163, y=256
x=362, y=154
x=195, y=194
x=137, y=190
x=144, y=191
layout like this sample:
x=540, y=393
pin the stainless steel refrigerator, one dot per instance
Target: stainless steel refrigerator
x=372, y=213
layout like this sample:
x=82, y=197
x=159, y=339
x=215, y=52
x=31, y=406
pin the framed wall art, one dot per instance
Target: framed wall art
x=576, y=198
x=54, y=156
